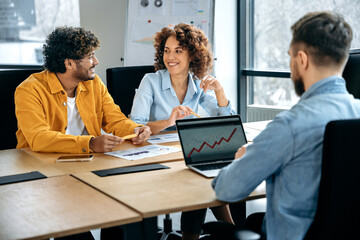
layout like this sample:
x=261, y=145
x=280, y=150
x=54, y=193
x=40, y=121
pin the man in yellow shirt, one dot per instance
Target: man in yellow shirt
x=64, y=108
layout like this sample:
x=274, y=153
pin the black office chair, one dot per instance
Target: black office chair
x=338, y=211
x=122, y=82
x=351, y=73
x=226, y=231
x=9, y=80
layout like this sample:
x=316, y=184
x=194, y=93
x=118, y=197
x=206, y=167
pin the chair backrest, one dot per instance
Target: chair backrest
x=351, y=73
x=338, y=211
x=9, y=80
x=122, y=82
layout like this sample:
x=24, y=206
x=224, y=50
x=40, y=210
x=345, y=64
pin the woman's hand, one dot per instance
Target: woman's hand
x=210, y=83
x=179, y=112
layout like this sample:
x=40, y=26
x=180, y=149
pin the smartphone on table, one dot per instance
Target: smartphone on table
x=75, y=158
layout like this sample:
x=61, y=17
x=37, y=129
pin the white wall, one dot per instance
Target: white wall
x=225, y=47
x=106, y=18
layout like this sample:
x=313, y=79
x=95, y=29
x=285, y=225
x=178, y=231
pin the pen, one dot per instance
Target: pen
x=129, y=136
x=196, y=115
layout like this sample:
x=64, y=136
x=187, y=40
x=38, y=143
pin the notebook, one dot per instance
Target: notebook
x=208, y=144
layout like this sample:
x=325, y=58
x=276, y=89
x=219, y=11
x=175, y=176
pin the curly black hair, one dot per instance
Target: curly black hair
x=67, y=43
x=190, y=38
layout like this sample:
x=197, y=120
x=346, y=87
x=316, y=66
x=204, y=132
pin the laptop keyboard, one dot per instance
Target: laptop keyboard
x=212, y=166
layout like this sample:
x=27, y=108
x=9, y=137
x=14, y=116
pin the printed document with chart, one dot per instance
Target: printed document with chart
x=144, y=152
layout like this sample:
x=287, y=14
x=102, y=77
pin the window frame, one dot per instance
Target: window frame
x=245, y=48
x=20, y=66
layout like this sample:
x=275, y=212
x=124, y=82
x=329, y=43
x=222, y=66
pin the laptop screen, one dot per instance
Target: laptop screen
x=210, y=139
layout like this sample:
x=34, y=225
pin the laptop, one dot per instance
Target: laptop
x=209, y=144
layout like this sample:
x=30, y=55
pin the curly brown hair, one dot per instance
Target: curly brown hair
x=191, y=39
x=67, y=43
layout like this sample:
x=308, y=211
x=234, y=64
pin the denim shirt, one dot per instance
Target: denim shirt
x=287, y=154
x=155, y=99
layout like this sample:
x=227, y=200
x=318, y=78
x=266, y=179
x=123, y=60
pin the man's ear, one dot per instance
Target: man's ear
x=68, y=63
x=303, y=59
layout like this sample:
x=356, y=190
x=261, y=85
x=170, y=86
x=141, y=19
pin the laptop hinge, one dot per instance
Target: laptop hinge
x=208, y=163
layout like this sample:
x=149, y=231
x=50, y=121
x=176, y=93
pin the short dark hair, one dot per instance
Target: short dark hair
x=326, y=35
x=190, y=38
x=67, y=43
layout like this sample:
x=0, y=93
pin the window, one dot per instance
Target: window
x=269, y=38
x=24, y=25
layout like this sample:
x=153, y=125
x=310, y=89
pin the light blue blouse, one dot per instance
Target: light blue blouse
x=155, y=98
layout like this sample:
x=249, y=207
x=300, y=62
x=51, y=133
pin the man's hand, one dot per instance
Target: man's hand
x=104, y=143
x=241, y=151
x=143, y=133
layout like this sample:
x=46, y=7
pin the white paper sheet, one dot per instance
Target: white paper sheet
x=251, y=133
x=163, y=138
x=143, y=152
x=185, y=7
x=143, y=33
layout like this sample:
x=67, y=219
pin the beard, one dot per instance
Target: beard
x=298, y=81
x=83, y=74
x=299, y=86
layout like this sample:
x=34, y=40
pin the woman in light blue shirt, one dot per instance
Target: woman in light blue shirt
x=183, y=61
x=183, y=57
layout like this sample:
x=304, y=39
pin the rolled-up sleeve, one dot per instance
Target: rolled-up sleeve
x=209, y=102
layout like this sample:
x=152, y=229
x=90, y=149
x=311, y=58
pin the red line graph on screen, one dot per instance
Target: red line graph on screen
x=214, y=144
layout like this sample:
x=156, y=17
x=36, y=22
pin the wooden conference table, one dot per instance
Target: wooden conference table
x=57, y=206
x=16, y=161
x=148, y=193
x=103, y=161
x=159, y=192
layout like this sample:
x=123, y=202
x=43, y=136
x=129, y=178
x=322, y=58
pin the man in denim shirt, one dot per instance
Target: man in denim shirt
x=288, y=153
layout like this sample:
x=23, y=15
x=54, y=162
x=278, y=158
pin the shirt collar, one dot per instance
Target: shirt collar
x=54, y=82
x=192, y=89
x=166, y=83
x=55, y=85
x=332, y=84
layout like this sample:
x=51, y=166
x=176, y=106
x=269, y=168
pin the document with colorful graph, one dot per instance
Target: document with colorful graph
x=143, y=152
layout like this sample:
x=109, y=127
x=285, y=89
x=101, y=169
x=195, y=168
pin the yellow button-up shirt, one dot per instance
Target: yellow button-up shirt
x=41, y=111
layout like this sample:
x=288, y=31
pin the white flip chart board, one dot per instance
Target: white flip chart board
x=146, y=17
